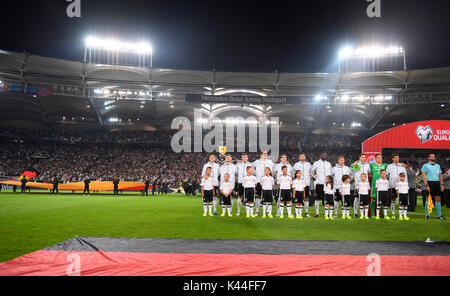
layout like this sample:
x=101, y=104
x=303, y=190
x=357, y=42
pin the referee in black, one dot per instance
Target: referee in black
x=24, y=185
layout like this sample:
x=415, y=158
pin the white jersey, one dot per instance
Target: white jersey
x=339, y=171
x=285, y=182
x=242, y=170
x=214, y=171
x=279, y=169
x=322, y=169
x=382, y=185
x=249, y=181
x=260, y=165
x=402, y=187
x=298, y=185
x=267, y=183
x=363, y=187
x=305, y=168
x=226, y=187
x=344, y=189
x=364, y=168
x=228, y=168
x=392, y=173
x=207, y=183
x=329, y=189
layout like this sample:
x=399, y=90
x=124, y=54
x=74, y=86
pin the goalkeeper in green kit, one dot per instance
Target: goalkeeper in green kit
x=375, y=169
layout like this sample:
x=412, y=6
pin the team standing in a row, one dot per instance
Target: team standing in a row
x=256, y=184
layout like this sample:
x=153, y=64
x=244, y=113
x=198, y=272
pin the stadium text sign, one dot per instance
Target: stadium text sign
x=214, y=139
x=433, y=134
x=269, y=100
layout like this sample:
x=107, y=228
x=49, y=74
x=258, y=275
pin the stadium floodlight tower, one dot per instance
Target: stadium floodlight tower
x=374, y=58
x=116, y=52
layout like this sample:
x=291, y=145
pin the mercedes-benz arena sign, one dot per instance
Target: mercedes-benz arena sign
x=432, y=134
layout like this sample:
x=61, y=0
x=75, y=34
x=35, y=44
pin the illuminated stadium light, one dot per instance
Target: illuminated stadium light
x=320, y=98
x=114, y=119
x=232, y=91
x=373, y=51
x=356, y=124
x=118, y=46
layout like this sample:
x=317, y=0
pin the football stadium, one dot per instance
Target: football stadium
x=112, y=165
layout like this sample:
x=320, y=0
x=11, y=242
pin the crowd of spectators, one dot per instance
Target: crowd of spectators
x=74, y=156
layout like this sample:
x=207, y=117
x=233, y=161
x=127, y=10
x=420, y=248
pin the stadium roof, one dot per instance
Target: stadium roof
x=77, y=92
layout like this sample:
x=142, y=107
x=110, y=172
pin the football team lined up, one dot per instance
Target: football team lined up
x=260, y=182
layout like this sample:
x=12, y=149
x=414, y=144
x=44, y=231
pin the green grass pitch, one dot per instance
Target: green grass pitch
x=31, y=222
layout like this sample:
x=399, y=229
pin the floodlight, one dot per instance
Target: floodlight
x=118, y=46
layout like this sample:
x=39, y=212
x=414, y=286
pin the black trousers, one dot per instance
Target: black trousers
x=86, y=190
x=447, y=197
x=55, y=188
x=412, y=196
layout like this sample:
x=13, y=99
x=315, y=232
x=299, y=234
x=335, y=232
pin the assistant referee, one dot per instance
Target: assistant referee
x=434, y=182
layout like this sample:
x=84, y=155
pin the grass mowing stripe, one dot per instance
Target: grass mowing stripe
x=34, y=221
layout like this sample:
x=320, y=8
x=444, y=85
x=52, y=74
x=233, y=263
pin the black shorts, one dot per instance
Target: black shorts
x=329, y=199
x=226, y=200
x=240, y=189
x=403, y=199
x=319, y=191
x=285, y=195
x=347, y=201
x=298, y=198
x=364, y=199
x=307, y=192
x=383, y=198
x=267, y=196
x=249, y=194
x=207, y=196
x=258, y=189
x=435, y=188
x=393, y=193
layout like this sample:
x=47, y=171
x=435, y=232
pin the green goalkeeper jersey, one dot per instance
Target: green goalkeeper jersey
x=375, y=171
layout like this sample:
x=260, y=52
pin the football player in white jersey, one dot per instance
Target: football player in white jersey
x=242, y=172
x=259, y=166
x=279, y=172
x=305, y=168
x=285, y=186
x=320, y=169
x=402, y=189
x=214, y=175
x=228, y=168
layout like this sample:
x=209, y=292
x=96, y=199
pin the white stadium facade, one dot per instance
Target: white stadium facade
x=53, y=92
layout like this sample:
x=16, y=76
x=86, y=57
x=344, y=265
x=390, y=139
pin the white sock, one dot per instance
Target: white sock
x=205, y=208
x=356, y=205
x=330, y=212
x=306, y=207
x=361, y=211
x=229, y=209
x=247, y=209
x=378, y=212
x=317, y=205
x=405, y=211
x=215, y=203
x=366, y=211
x=393, y=208
x=269, y=209
x=289, y=210
x=264, y=208
x=281, y=210
x=252, y=209
x=300, y=210
x=239, y=205
x=257, y=204
x=210, y=208
x=326, y=212
x=385, y=211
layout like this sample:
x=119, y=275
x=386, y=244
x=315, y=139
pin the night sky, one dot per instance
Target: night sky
x=251, y=36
